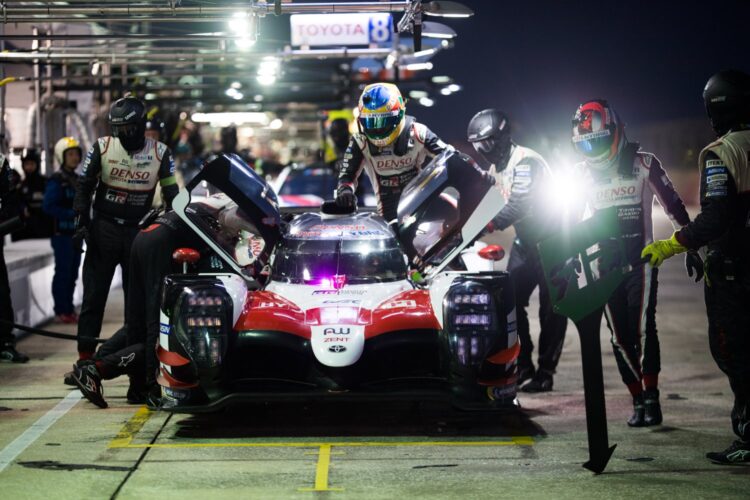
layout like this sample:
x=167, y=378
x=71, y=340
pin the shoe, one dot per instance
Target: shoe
x=89, y=382
x=68, y=377
x=652, y=409
x=737, y=453
x=9, y=353
x=639, y=408
x=541, y=382
x=524, y=373
x=68, y=319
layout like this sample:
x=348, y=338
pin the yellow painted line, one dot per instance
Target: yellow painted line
x=321, y=471
x=516, y=441
x=131, y=428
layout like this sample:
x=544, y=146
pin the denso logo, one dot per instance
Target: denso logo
x=123, y=173
x=616, y=192
x=398, y=163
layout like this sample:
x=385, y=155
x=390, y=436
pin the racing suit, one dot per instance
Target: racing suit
x=523, y=183
x=38, y=224
x=390, y=168
x=9, y=208
x=58, y=203
x=630, y=184
x=125, y=184
x=724, y=225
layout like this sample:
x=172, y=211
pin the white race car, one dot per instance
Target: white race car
x=341, y=305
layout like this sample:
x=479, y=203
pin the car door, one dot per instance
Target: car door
x=444, y=209
x=234, y=211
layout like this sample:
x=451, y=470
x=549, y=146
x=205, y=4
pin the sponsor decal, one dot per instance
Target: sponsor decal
x=165, y=329
x=126, y=360
x=403, y=162
x=342, y=301
x=715, y=163
x=712, y=179
x=116, y=196
x=616, y=193
x=400, y=304
x=337, y=348
x=127, y=174
x=337, y=331
x=336, y=339
x=591, y=135
x=339, y=292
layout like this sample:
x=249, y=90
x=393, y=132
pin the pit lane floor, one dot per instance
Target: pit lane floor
x=54, y=445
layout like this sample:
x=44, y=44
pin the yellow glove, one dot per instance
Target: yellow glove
x=660, y=250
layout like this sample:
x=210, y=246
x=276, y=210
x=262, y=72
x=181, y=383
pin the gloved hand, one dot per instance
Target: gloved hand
x=694, y=263
x=345, y=197
x=661, y=250
x=81, y=233
x=488, y=178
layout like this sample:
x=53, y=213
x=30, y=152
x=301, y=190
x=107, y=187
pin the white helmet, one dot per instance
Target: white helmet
x=63, y=145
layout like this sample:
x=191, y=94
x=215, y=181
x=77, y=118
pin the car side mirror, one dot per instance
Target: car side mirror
x=492, y=252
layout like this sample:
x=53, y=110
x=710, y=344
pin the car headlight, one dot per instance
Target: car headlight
x=472, y=322
x=204, y=320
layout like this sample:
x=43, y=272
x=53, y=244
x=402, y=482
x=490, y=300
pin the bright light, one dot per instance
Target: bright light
x=258, y=98
x=266, y=79
x=239, y=23
x=150, y=96
x=419, y=66
x=445, y=91
x=454, y=88
x=426, y=102
x=417, y=94
x=276, y=124
x=238, y=96
x=441, y=79
x=229, y=118
x=95, y=68
x=244, y=43
x=236, y=85
x=423, y=53
x=231, y=92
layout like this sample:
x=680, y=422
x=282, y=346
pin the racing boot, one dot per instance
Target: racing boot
x=8, y=353
x=137, y=391
x=68, y=377
x=524, y=373
x=89, y=382
x=652, y=409
x=737, y=453
x=541, y=382
x=639, y=410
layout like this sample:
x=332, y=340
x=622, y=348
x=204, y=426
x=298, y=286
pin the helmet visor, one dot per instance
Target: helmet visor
x=380, y=125
x=485, y=145
x=594, y=144
x=126, y=130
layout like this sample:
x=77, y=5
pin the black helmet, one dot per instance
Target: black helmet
x=727, y=99
x=31, y=154
x=127, y=118
x=229, y=139
x=338, y=130
x=155, y=123
x=489, y=133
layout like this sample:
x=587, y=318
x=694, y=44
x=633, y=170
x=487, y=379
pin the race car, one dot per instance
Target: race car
x=310, y=185
x=332, y=304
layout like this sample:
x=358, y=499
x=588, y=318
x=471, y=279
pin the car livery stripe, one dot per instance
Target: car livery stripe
x=410, y=310
x=505, y=356
x=167, y=380
x=170, y=358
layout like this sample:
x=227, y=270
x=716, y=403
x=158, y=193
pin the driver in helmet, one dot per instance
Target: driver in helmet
x=523, y=177
x=723, y=226
x=390, y=146
x=618, y=174
x=58, y=203
x=123, y=170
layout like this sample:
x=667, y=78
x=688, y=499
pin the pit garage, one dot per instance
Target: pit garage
x=265, y=81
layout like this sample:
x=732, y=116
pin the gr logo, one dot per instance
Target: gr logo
x=336, y=331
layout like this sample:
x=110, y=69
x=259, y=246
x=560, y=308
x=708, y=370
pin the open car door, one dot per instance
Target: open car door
x=444, y=209
x=234, y=211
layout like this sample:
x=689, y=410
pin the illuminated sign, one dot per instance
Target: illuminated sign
x=341, y=29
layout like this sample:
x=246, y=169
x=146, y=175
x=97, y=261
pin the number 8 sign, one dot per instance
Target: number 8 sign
x=380, y=28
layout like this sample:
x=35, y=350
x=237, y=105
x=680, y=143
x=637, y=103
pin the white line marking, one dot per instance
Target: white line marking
x=38, y=428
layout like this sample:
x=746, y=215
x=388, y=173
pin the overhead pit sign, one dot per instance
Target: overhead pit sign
x=341, y=29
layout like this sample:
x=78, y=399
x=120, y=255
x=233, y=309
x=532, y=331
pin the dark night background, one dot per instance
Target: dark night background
x=538, y=60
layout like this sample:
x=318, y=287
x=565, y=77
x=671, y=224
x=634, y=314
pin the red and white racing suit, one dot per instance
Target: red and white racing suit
x=390, y=168
x=630, y=184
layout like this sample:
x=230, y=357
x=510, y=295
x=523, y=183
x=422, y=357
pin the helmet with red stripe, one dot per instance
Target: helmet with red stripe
x=598, y=133
x=381, y=113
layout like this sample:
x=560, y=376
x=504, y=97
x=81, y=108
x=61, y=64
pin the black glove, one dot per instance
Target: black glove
x=694, y=263
x=345, y=197
x=81, y=233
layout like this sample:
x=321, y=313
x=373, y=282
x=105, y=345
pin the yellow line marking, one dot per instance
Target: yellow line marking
x=516, y=441
x=321, y=471
x=131, y=428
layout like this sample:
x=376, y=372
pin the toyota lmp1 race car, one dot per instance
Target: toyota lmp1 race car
x=324, y=304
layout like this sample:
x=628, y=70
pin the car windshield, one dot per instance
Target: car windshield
x=316, y=181
x=316, y=262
